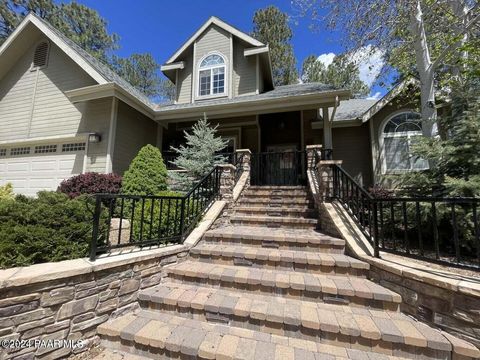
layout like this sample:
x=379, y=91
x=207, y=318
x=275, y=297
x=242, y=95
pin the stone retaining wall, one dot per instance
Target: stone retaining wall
x=71, y=307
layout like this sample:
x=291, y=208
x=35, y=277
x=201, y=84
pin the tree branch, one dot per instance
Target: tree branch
x=452, y=46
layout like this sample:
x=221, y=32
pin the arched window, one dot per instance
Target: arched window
x=398, y=135
x=211, y=75
x=40, y=56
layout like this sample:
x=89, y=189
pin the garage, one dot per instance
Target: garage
x=34, y=167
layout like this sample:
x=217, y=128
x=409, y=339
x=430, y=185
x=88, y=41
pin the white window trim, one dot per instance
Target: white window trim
x=407, y=134
x=225, y=77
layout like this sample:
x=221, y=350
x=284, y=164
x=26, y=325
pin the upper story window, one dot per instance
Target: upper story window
x=398, y=136
x=40, y=56
x=211, y=75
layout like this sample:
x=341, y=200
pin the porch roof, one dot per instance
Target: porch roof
x=281, y=98
x=353, y=109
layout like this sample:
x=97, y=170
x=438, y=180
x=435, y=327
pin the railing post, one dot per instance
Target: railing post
x=182, y=218
x=376, y=251
x=95, y=230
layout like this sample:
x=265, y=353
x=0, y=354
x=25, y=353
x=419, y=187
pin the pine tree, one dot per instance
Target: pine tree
x=199, y=155
x=270, y=26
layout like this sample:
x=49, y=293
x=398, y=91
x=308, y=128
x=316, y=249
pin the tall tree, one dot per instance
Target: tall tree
x=434, y=30
x=167, y=90
x=140, y=70
x=341, y=73
x=270, y=26
x=78, y=22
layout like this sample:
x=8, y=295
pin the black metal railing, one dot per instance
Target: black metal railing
x=170, y=156
x=443, y=230
x=238, y=166
x=150, y=220
x=278, y=168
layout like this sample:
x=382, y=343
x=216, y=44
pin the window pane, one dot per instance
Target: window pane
x=205, y=82
x=218, y=80
x=212, y=60
x=396, y=153
x=409, y=126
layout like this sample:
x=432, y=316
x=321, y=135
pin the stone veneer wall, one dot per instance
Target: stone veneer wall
x=72, y=307
x=446, y=303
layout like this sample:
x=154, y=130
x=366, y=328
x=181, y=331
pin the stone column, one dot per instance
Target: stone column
x=325, y=178
x=311, y=149
x=227, y=181
x=246, y=160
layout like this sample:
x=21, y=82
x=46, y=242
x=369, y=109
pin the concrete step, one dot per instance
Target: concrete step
x=324, y=288
x=164, y=336
x=302, y=261
x=345, y=326
x=275, y=221
x=300, y=211
x=280, y=238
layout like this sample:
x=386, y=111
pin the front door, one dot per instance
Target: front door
x=279, y=165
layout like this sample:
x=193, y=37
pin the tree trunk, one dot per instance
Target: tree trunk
x=425, y=71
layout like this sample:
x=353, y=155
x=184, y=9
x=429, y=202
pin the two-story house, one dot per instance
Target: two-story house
x=62, y=112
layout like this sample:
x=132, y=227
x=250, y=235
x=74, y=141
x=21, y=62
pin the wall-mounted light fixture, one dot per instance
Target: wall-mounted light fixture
x=94, y=138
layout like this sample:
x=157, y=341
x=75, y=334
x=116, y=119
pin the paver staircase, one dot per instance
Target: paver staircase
x=270, y=286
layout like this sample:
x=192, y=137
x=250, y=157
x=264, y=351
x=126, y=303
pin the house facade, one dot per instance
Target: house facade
x=62, y=112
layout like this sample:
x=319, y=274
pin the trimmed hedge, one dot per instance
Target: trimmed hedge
x=50, y=227
x=91, y=183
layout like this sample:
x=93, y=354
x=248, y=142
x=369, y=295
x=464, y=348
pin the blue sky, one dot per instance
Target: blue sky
x=154, y=26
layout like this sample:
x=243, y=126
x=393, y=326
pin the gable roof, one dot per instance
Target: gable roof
x=99, y=71
x=220, y=23
x=353, y=109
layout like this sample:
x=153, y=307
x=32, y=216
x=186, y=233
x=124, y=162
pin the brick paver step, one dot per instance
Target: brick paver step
x=275, y=187
x=324, y=323
x=297, y=211
x=304, y=239
x=156, y=335
x=304, y=261
x=274, y=221
x=274, y=201
x=313, y=287
x=300, y=194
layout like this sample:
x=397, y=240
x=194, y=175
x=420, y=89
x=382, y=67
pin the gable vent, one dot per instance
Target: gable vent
x=41, y=55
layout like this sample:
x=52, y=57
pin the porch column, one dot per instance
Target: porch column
x=327, y=129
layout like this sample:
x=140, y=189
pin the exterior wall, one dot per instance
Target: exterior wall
x=244, y=71
x=32, y=103
x=185, y=76
x=133, y=131
x=96, y=117
x=214, y=39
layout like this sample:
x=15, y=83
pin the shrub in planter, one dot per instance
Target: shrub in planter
x=147, y=174
x=50, y=227
x=91, y=183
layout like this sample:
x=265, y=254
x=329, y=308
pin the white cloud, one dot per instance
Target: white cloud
x=375, y=96
x=369, y=60
x=326, y=59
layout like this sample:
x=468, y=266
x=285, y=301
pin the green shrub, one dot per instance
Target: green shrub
x=147, y=174
x=51, y=227
x=6, y=191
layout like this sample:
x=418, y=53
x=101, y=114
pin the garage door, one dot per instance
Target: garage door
x=31, y=168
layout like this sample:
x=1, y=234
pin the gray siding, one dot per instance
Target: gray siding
x=244, y=71
x=32, y=103
x=184, y=85
x=134, y=130
x=96, y=117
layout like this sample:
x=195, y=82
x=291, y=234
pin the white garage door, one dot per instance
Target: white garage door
x=31, y=168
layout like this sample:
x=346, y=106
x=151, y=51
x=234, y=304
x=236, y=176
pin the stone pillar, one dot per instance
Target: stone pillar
x=227, y=181
x=246, y=155
x=311, y=149
x=325, y=178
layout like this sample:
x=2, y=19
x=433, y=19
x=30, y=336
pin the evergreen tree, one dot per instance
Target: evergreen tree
x=78, y=22
x=341, y=73
x=147, y=174
x=199, y=155
x=167, y=91
x=270, y=26
x=140, y=70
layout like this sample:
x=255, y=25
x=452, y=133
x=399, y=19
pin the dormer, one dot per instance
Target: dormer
x=217, y=62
